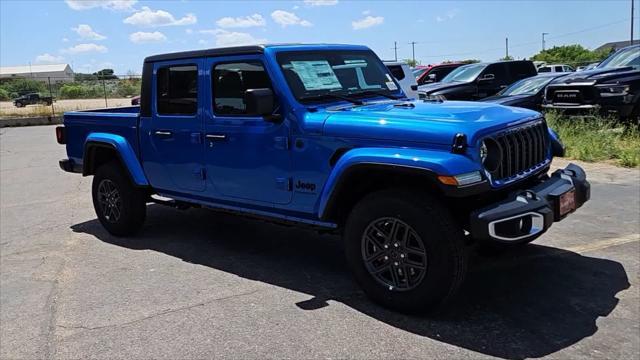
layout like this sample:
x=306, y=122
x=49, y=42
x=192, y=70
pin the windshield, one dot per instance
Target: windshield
x=464, y=73
x=418, y=72
x=528, y=86
x=622, y=58
x=328, y=75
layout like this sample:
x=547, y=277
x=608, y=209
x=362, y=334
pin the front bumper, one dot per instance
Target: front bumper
x=527, y=214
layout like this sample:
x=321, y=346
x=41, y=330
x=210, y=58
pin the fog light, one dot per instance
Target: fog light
x=468, y=178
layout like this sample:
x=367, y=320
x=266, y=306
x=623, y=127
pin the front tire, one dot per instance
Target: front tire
x=119, y=204
x=405, y=250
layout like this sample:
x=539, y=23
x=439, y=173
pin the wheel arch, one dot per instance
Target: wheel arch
x=102, y=148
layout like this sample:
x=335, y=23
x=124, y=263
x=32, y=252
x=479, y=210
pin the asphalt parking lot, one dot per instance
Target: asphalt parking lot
x=198, y=284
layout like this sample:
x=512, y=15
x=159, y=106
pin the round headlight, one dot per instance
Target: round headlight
x=484, y=151
x=490, y=154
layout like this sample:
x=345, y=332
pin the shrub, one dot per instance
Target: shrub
x=5, y=95
x=71, y=91
x=595, y=138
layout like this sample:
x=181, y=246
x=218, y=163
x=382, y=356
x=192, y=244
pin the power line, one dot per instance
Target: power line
x=529, y=42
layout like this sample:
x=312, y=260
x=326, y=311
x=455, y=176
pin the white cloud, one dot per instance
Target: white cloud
x=86, y=32
x=241, y=22
x=202, y=42
x=65, y=40
x=321, y=2
x=366, y=12
x=104, y=4
x=285, y=18
x=232, y=38
x=47, y=58
x=86, y=48
x=141, y=37
x=448, y=16
x=367, y=22
x=151, y=18
x=188, y=31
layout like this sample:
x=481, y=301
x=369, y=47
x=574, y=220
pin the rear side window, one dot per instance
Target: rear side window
x=177, y=90
x=559, y=69
x=522, y=70
x=231, y=80
x=544, y=69
x=396, y=71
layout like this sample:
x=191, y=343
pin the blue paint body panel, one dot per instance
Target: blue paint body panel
x=284, y=169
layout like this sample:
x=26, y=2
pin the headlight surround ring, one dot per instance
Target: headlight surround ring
x=490, y=154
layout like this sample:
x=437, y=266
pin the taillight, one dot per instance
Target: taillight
x=60, y=135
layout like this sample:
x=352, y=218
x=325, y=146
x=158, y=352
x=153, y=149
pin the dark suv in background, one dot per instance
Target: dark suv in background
x=477, y=81
x=612, y=88
x=433, y=73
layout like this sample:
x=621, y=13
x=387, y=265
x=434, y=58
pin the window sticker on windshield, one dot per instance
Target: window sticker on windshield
x=316, y=75
x=391, y=85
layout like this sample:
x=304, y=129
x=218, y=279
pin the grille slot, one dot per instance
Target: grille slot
x=522, y=149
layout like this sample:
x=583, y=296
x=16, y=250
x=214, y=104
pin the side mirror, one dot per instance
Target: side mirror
x=487, y=77
x=259, y=101
x=432, y=77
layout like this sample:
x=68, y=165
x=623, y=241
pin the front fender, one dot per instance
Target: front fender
x=124, y=150
x=435, y=162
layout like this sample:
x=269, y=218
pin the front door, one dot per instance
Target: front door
x=172, y=138
x=247, y=157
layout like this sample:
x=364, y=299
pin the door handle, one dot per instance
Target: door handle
x=214, y=137
x=164, y=134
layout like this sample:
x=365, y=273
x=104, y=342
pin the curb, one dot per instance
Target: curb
x=31, y=121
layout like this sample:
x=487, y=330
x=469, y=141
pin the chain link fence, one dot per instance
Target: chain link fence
x=51, y=96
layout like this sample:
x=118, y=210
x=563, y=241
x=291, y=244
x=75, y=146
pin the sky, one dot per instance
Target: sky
x=94, y=34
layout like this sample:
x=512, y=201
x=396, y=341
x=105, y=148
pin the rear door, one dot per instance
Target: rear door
x=172, y=138
x=247, y=157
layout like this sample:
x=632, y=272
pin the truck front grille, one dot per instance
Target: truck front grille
x=522, y=150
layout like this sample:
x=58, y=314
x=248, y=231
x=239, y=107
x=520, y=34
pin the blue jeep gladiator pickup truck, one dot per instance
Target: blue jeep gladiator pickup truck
x=322, y=135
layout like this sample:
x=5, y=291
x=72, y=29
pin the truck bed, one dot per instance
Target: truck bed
x=120, y=121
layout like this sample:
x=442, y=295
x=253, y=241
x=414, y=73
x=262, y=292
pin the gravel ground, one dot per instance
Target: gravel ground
x=196, y=284
x=7, y=109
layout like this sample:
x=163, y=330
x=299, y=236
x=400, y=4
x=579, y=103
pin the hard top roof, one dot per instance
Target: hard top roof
x=233, y=50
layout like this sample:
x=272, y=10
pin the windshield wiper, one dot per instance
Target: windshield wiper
x=374, y=92
x=331, y=96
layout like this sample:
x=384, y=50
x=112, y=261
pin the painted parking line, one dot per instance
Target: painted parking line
x=603, y=244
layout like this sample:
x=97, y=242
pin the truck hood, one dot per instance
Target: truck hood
x=423, y=122
x=435, y=87
x=598, y=76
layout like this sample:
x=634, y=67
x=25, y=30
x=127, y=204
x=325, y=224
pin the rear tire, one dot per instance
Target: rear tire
x=119, y=204
x=415, y=268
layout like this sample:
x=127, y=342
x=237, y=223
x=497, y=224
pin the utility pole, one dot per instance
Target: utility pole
x=543, y=35
x=632, y=13
x=413, y=52
x=506, y=40
x=395, y=50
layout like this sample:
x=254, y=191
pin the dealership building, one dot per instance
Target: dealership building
x=54, y=72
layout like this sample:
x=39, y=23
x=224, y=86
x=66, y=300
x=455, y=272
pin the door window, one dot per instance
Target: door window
x=396, y=71
x=231, y=80
x=177, y=90
x=498, y=71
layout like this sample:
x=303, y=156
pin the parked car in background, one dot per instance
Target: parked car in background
x=32, y=99
x=526, y=93
x=135, y=100
x=403, y=74
x=478, y=81
x=587, y=67
x=555, y=68
x=433, y=73
x=613, y=87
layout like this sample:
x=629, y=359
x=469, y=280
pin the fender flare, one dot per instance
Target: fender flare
x=428, y=162
x=123, y=148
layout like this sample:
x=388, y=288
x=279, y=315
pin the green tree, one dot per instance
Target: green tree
x=506, y=58
x=71, y=91
x=4, y=94
x=411, y=62
x=106, y=74
x=572, y=54
x=470, y=61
